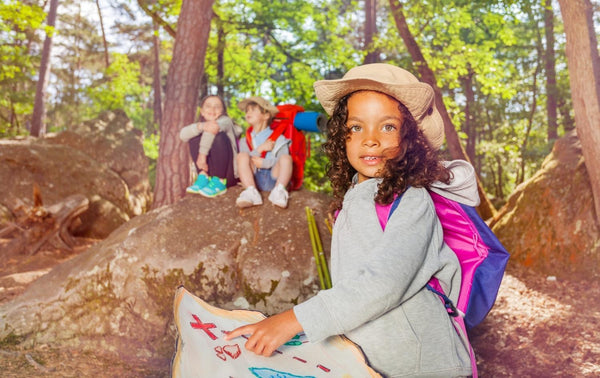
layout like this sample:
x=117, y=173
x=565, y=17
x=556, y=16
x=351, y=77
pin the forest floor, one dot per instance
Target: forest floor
x=539, y=327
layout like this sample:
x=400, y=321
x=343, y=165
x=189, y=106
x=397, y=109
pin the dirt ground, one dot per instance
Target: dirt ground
x=539, y=327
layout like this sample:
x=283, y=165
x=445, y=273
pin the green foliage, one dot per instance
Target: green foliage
x=150, y=144
x=495, y=47
x=120, y=88
x=315, y=170
x=18, y=25
x=278, y=49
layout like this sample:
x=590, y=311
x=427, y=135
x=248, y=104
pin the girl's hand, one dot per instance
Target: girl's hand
x=266, y=146
x=211, y=127
x=269, y=334
x=257, y=161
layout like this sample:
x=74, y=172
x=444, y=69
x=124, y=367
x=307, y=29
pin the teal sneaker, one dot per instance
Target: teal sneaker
x=216, y=186
x=200, y=183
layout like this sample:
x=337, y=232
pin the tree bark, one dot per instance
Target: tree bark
x=469, y=126
x=157, y=85
x=183, y=84
x=486, y=208
x=370, y=30
x=584, y=71
x=220, y=60
x=38, y=125
x=534, y=86
x=104, y=42
x=550, y=63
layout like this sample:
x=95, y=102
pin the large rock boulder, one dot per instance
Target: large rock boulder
x=117, y=297
x=102, y=159
x=548, y=222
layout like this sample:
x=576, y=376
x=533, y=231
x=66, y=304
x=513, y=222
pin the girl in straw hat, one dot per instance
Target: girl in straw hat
x=383, y=137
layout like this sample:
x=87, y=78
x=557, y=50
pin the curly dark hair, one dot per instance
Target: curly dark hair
x=416, y=163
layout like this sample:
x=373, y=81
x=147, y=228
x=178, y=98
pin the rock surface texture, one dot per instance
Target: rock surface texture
x=102, y=159
x=548, y=223
x=117, y=296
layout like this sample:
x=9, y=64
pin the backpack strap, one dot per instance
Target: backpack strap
x=384, y=212
x=249, y=138
x=280, y=129
x=452, y=311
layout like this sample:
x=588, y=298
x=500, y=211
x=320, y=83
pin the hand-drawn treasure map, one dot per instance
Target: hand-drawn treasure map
x=202, y=350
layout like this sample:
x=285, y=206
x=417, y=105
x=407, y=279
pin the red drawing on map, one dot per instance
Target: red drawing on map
x=203, y=326
x=232, y=351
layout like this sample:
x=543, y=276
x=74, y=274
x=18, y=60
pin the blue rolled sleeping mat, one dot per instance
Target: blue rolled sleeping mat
x=310, y=121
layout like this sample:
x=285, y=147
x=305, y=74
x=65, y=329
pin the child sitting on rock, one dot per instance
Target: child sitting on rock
x=263, y=163
x=213, y=147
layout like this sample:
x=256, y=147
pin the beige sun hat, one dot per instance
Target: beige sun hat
x=418, y=97
x=266, y=105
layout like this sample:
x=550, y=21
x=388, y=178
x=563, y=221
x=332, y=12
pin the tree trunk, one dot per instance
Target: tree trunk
x=500, y=181
x=550, y=60
x=220, y=60
x=486, y=208
x=203, y=85
x=106, y=60
x=38, y=125
x=183, y=84
x=157, y=85
x=584, y=71
x=469, y=126
x=532, y=111
x=370, y=30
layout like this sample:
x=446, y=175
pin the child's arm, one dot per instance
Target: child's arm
x=225, y=123
x=268, y=334
x=210, y=130
x=280, y=147
x=398, y=265
x=266, y=146
x=190, y=131
x=206, y=142
x=257, y=158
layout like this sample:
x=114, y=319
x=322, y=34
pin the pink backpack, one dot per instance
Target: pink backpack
x=482, y=259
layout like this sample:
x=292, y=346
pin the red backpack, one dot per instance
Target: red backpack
x=284, y=124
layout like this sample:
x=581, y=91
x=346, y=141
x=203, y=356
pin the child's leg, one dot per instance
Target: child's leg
x=245, y=169
x=206, y=141
x=202, y=164
x=250, y=196
x=220, y=159
x=194, y=145
x=282, y=171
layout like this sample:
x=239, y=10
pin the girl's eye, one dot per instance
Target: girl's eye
x=389, y=127
x=354, y=128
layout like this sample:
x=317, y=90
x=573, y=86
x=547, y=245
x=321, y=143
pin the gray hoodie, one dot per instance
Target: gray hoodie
x=378, y=299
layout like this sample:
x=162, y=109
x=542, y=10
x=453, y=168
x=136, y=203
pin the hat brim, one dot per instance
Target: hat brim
x=418, y=98
x=260, y=102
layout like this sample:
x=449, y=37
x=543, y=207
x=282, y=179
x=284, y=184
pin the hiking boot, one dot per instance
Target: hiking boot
x=279, y=196
x=216, y=186
x=249, y=197
x=200, y=183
